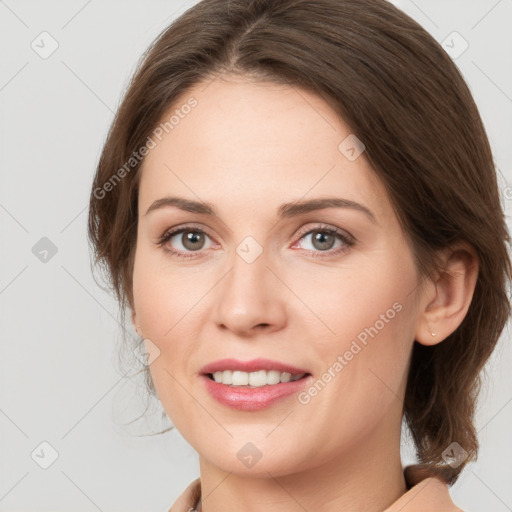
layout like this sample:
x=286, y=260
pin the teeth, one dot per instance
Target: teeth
x=254, y=379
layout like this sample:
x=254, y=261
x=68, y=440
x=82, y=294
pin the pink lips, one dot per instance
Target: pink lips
x=247, y=398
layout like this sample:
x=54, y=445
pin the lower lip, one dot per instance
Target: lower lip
x=252, y=399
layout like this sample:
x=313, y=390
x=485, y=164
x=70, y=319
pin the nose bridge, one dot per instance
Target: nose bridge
x=250, y=294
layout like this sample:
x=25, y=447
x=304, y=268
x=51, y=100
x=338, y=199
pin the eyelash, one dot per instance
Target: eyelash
x=347, y=239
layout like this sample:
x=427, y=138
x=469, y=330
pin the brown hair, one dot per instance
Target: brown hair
x=401, y=94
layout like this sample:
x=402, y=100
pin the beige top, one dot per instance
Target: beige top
x=424, y=494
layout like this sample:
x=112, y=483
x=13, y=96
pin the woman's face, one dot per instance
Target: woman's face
x=260, y=280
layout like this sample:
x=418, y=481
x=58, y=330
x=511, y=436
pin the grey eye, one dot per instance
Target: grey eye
x=192, y=240
x=322, y=241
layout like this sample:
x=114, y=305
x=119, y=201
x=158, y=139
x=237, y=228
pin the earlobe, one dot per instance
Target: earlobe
x=449, y=298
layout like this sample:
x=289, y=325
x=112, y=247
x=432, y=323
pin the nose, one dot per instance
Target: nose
x=251, y=298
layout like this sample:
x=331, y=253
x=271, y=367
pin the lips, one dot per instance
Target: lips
x=249, y=398
x=253, y=365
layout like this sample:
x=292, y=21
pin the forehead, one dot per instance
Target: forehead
x=253, y=142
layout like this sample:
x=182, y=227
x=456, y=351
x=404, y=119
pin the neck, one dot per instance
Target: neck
x=368, y=478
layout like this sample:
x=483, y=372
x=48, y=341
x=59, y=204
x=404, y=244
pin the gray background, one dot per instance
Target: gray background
x=60, y=382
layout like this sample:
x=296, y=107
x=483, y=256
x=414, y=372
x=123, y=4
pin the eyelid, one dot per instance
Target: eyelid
x=190, y=226
x=325, y=227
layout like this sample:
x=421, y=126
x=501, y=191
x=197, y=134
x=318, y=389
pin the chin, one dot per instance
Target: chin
x=253, y=458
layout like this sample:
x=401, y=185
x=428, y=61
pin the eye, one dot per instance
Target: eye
x=189, y=241
x=323, y=240
x=184, y=240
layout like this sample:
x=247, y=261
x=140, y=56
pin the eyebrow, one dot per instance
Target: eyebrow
x=286, y=210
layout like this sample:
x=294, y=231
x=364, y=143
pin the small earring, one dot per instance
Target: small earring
x=433, y=334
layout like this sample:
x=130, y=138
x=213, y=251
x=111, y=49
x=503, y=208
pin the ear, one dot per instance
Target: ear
x=446, y=301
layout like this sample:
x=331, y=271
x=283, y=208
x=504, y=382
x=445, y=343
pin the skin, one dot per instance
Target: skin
x=246, y=148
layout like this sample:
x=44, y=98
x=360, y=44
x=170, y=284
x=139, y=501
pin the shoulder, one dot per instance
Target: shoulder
x=188, y=499
x=425, y=494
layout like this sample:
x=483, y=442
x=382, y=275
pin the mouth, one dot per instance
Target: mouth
x=252, y=385
x=254, y=373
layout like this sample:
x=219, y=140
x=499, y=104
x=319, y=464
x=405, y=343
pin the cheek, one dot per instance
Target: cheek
x=168, y=312
x=367, y=299
x=161, y=301
x=364, y=333
x=361, y=381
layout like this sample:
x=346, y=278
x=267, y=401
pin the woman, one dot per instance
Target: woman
x=297, y=205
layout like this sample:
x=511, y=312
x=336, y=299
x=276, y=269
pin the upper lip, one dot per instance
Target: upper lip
x=250, y=366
